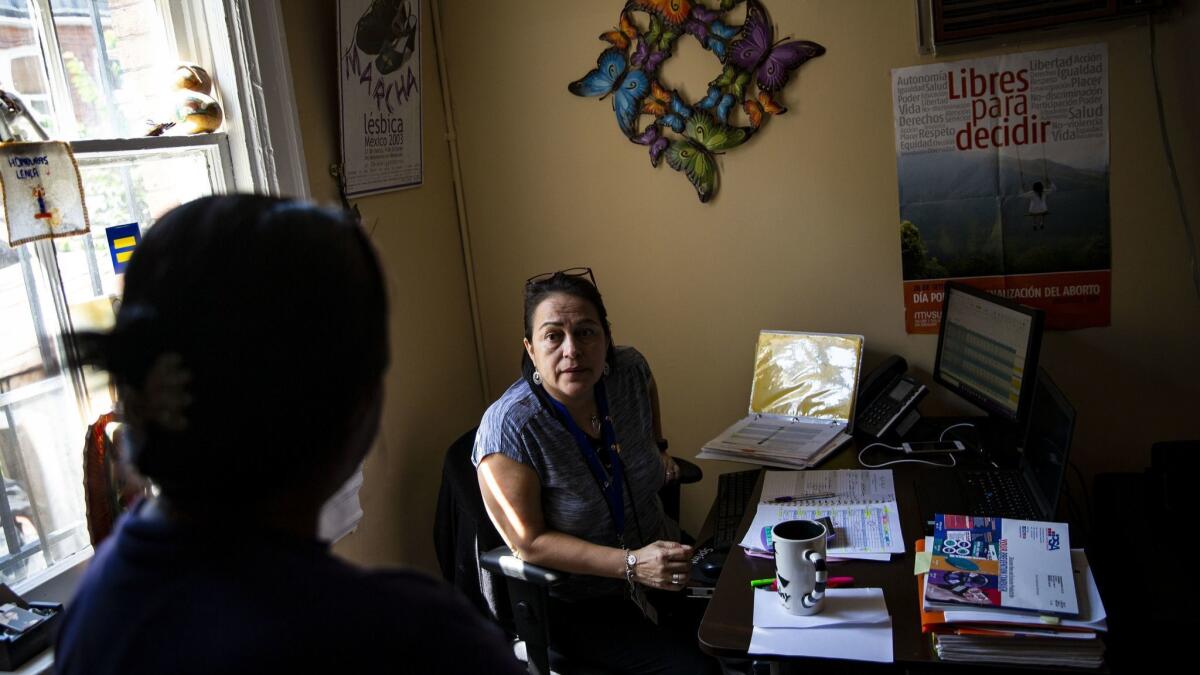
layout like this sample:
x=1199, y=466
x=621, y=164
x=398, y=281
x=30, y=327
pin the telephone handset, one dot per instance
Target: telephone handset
x=887, y=399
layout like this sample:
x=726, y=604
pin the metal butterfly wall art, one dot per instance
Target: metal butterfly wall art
x=755, y=69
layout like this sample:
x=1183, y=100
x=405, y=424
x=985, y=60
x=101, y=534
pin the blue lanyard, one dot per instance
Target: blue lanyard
x=610, y=486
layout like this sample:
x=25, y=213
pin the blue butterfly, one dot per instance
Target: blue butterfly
x=679, y=114
x=726, y=32
x=718, y=103
x=717, y=43
x=613, y=76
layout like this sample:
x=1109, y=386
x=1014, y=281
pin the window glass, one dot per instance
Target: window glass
x=97, y=73
x=22, y=68
x=41, y=509
x=119, y=189
x=117, y=63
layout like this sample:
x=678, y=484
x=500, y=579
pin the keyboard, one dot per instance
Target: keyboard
x=733, y=491
x=999, y=493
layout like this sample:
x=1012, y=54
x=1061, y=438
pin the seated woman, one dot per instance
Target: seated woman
x=249, y=352
x=570, y=469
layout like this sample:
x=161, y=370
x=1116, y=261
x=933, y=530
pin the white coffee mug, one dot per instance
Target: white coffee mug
x=800, y=571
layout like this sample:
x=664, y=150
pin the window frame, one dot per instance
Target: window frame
x=261, y=151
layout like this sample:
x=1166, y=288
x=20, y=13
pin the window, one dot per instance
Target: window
x=98, y=73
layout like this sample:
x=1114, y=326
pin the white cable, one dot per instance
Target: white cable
x=942, y=437
x=953, y=460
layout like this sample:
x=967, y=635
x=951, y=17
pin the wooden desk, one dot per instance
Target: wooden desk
x=727, y=624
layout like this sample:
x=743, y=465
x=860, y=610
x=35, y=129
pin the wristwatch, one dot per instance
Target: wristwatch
x=630, y=561
x=662, y=444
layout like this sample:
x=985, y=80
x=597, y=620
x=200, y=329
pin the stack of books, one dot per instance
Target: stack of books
x=1009, y=591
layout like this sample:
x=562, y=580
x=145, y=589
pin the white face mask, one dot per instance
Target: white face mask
x=342, y=512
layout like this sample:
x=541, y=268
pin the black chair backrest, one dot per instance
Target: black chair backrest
x=1172, y=467
x=463, y=532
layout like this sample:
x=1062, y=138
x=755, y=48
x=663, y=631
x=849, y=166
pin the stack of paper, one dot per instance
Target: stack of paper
x=854, y=624
x=771, y=441
x=988, y=634
x=861, y=504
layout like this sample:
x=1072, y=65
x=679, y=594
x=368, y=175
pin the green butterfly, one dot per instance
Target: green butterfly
x=659, y=37
x=693, y=154
x=733, y=81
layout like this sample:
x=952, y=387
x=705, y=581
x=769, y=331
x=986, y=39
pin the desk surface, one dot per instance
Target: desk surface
x=726, y=628
x=727, y=624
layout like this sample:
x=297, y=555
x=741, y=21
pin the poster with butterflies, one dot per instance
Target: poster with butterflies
x=755, y=67
x=379, y=70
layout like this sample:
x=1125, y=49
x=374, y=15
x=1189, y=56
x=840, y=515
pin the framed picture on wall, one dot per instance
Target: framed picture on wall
x=379, y=91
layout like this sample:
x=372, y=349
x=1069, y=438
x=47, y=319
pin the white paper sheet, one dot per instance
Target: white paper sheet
x=843, y=606
x=861, y=528
x=872, y=557
x=776, y=460
x=854, y=485
x=859, y=643
x=782, y=437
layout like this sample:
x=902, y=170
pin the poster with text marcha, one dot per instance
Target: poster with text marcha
x=1003, y=170
x=379, y=87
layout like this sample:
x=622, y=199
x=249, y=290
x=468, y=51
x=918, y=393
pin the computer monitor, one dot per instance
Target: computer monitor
x=1047, y=445
x=988, y=351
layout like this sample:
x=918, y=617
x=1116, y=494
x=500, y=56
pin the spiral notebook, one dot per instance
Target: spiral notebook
x=866, y=518
x=801, y=401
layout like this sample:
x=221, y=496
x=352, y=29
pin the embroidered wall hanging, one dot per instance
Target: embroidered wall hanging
x=755, y=68
x=42, y=191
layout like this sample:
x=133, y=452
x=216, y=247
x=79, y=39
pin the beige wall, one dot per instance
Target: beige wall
x=803, y=234
x=432, y=388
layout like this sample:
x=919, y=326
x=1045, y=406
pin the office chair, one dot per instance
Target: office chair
x=1133, y=515
x=474, y=558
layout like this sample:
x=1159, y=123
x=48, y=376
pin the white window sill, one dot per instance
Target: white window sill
x=56, y=584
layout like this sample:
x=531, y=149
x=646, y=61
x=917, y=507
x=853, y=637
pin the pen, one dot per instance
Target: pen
x=800, y=498
x=832, y=582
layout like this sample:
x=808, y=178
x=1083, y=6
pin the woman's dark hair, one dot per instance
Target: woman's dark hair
x=577, y=286
x=279, y=313
x=1038, y=187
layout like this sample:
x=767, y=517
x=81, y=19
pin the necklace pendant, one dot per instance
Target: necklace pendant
x=595, y=423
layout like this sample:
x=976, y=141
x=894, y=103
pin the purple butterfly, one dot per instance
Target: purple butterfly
x=698, y=22
x=645, y=59
x=753, y=50
x=653, y=137
x=697, y=28
x=705, y=14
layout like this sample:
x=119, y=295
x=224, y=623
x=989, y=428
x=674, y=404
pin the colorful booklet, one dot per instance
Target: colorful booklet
x=1001, y=564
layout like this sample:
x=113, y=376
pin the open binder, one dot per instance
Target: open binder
x=801, y=401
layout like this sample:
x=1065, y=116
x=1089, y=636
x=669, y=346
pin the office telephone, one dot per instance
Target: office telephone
x=888, y=398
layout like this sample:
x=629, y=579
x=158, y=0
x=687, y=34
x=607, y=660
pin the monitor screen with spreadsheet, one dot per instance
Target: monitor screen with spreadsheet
x=988, y=351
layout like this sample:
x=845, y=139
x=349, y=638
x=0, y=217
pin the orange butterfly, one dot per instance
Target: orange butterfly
x=621, y=37
x=656, y=103
x=674, y=12
x=764, y=104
